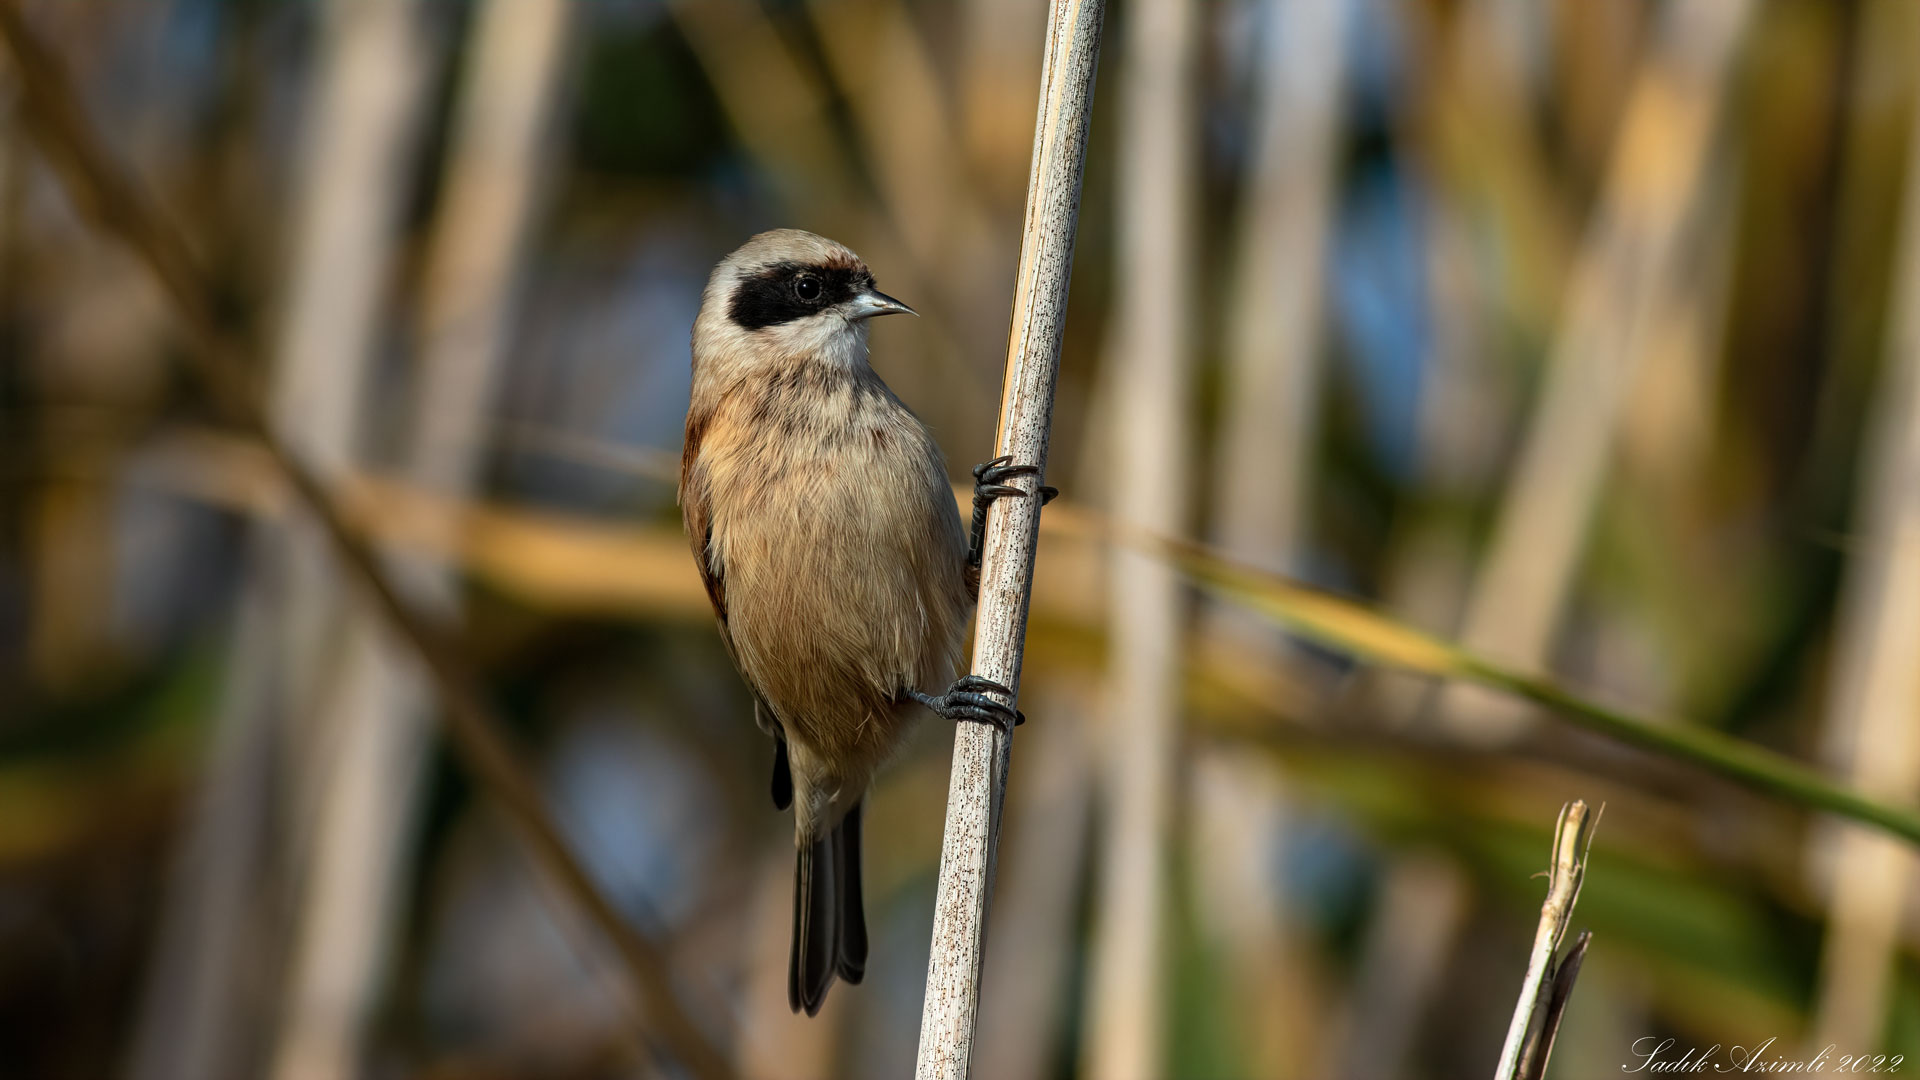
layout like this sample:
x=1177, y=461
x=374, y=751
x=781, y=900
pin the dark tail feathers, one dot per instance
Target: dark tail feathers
x=782, y=775
x=829, y=919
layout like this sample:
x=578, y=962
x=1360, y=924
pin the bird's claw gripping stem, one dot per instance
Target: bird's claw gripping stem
x=990, y=483
x=967, y=700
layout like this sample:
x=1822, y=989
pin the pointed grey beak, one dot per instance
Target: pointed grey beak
x=874, y=302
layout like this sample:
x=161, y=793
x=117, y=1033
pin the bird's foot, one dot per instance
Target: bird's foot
x=967, y=700
x=990, y=483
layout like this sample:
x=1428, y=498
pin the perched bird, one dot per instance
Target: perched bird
x=818, y=509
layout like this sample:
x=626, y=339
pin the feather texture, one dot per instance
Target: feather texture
x=818, y=509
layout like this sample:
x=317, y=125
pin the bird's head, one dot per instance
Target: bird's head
x=788, y=294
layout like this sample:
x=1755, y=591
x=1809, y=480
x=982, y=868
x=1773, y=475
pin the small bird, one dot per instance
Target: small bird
x=819, y=512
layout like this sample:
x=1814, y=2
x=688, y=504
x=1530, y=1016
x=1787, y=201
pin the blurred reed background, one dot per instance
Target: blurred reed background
x=1586, y=334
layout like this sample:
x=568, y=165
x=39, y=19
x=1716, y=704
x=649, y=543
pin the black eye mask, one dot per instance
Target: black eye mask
x=771, y=296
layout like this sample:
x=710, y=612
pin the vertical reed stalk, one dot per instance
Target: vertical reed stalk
x=1631, y=265
x=1873, y=708
x=356, y=152
x=1274, y=325
x=1267, y=436
x=1423, y=906
x=111, y=198
x=1151, y=348
x=375, y=700
x=981, y=754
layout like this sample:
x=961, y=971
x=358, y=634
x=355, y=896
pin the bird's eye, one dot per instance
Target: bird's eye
x=807, y=288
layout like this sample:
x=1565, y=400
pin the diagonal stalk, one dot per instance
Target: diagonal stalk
x=104, y=192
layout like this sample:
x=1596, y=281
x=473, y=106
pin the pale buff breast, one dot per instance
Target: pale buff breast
x=842, y=552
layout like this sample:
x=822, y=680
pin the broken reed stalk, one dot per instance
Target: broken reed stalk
x=981, y=753
x=1525, y=1047
x=1566, y=970
x=107, y=194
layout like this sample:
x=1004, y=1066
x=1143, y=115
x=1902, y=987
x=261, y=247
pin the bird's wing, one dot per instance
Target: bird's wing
x=696, y=509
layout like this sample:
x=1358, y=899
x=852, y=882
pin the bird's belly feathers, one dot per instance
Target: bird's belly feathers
x=844, y=575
